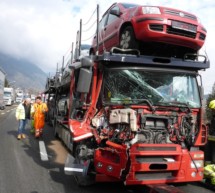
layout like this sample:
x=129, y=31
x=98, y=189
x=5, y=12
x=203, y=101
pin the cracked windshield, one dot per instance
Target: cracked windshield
x=159, y=88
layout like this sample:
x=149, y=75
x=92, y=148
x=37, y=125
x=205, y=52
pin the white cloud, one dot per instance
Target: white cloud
x=43, y=31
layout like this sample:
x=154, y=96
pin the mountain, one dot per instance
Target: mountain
x=25, y=74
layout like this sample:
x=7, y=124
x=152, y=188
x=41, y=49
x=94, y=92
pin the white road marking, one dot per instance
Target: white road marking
x=2, y=113
x=43, y=152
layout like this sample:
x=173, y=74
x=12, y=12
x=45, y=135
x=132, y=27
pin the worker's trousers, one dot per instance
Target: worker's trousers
x=22, y=124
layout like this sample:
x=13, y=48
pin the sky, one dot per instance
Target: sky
x=42, y=31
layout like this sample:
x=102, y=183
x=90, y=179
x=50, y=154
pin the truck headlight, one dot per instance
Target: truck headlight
x=198, y=164
x=198, y=155
x=151, y=10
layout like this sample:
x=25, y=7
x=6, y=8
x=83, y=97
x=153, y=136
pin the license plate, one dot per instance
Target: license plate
x=184, y=26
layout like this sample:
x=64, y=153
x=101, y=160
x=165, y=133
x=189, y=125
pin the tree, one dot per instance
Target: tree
x=6, y=83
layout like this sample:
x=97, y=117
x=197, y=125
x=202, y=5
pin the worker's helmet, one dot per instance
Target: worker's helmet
x=212, y=104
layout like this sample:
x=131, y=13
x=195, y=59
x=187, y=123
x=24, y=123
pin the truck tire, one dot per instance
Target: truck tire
x=66, y=109
x=85, y=179
x=55, y=128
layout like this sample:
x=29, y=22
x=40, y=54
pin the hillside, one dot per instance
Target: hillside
x=25, y=74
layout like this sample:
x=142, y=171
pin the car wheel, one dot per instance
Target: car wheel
x=127, y=39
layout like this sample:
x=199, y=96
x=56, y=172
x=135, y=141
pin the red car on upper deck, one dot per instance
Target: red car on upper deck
x=154, y=30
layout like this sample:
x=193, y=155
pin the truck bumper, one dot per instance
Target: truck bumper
x=151, y=164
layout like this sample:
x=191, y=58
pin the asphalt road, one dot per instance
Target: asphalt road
x=25, y=167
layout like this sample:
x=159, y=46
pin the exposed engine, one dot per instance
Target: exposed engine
x=127, y=126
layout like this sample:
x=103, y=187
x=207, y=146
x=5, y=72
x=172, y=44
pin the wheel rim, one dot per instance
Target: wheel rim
x=125, y=40
x=65, y=109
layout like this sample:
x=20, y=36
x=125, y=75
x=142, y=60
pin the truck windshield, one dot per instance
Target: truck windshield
x=7, y=94
x=135, y=86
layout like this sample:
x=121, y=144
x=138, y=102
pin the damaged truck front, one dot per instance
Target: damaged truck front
x=135, y=119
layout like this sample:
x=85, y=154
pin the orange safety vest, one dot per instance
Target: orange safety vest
x=39, y=115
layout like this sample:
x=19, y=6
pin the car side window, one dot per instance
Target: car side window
x=102, y=22
x=112, y=17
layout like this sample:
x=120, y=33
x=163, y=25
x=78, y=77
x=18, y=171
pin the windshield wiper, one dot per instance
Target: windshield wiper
x=130, y=101
x=177, y=104
x=122, y=102
x=140, y=101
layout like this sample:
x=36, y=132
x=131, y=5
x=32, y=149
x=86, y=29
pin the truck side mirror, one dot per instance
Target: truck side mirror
x=86, y=62
x=84, y=80
x=75, y=65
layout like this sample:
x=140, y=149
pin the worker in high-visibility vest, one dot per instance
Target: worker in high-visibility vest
x=39, y=109
x=209, y=173
x=209, y=170
x=212, y=104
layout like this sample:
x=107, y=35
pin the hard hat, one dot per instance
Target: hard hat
x=212, y=104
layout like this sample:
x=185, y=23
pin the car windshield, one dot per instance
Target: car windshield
x=129, y=5
x=135, y=86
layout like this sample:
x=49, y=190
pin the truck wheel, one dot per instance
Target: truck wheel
x=80, y=158
x=66, y=109
x=49, y=120
x=55, y=128
x=127, y=39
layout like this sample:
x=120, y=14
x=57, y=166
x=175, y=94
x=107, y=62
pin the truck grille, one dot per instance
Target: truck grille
x=154, y=159
x=153, y=148
x=153, y=176
x=151, y=163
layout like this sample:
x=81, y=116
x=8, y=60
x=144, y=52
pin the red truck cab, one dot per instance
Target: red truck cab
x=133, y=118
